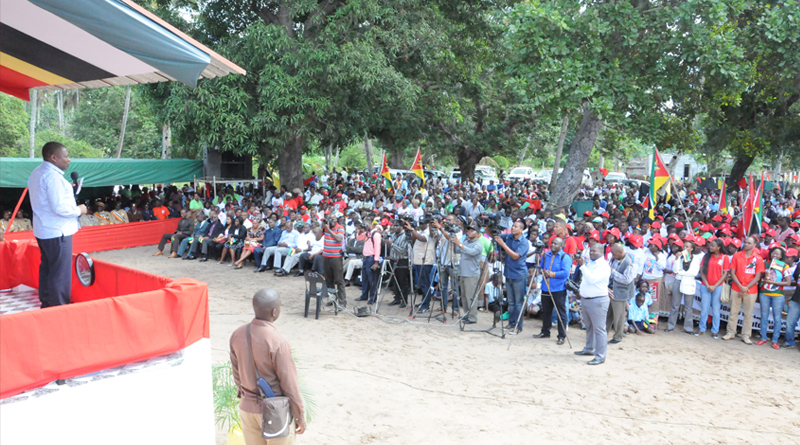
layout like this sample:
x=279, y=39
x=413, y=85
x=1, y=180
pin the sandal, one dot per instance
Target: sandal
x=775, y=346
x=761, y=342
x=238, y=266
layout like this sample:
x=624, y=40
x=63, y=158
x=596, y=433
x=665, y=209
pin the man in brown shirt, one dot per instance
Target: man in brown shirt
x=273, y=357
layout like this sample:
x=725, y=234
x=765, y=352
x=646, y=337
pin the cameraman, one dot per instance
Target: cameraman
x=471, y=251
x=423, y=257
x=371, y=265
x=333, y=242
x=555, y=269
x=515, y=271
x=398, y=254
x=449, y=258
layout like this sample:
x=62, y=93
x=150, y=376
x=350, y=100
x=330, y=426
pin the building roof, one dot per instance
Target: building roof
x=56, y=44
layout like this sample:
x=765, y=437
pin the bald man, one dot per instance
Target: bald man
x=593, y=293
x=273, y=358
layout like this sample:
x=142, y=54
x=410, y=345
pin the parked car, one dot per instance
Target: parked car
x=438, y=174
x=615, y=177
x=454, y=177
x=483, y=177
x=521, y=174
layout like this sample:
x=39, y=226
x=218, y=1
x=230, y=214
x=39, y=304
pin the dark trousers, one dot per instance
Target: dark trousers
x=333, y=269
x=369, y=278
x=305, y=263
x=422, y=281
x=55, y=272
x=560, y=298
x=212, y=249
x=167, y=237
x=403, y=276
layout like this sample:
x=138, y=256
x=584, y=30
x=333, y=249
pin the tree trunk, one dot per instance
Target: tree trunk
x=579, y=152
x=60, y=99
x=124, y=122
x=740, y=166
x=559, y=150
x=468, y=158
x=368, y=150
x=290, y=163
x=32, y=130
x=166, y=140
x=673, y=163
x=328, y=156
x=522, y=155
x=396, y=160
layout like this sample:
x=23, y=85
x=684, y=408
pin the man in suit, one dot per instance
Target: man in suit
x=215, y=230
x=200, y=231
x=185, y=226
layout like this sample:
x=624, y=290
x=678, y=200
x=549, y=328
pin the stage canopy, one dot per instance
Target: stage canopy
x=57, y=44
x=14, y=172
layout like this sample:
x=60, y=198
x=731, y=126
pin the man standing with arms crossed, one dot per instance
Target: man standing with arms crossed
x=271, y=354
x=593, y=293
x=55, y=220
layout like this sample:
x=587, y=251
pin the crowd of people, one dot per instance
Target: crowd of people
x=500, y=248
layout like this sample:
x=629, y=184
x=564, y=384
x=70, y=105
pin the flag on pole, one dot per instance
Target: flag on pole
x=723, y=199
x=658, y=177
x=747, y=220
x=387, y=177
x=416, y=167
x=757, y=207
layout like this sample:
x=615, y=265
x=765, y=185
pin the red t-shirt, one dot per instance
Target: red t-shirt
x=745, y=269
x=161, y=212
x=570, y=245
x=716, y=265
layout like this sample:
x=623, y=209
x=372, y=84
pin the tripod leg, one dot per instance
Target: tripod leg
x=378, y=294
x=558, y=314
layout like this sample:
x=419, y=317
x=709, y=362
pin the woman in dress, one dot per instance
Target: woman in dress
x=235, y=240
x=254, y=238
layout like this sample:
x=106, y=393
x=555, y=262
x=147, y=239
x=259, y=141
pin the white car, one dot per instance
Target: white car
x=521, y=174
x=454, y=177
x=615, y=177
x=483, y=177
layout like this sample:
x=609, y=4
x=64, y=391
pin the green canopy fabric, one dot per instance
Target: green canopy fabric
x=14, y=172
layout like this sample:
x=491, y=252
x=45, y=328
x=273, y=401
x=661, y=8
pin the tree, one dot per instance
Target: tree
x=13, y=124
x=628, y=65
x=766, y=122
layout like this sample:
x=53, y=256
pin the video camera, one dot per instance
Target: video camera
x=451, y=228
x=491, y=222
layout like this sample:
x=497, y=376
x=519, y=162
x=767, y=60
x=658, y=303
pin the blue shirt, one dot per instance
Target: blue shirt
x=271, y=237
x=636, y=313
x=516, y=269
x=561, y=266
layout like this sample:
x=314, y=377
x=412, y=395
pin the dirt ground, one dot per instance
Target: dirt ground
x=399, y=382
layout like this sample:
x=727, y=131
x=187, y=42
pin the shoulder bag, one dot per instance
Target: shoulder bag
x=276, y=415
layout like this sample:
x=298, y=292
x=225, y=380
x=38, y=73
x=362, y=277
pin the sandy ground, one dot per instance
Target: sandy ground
x=398, y=382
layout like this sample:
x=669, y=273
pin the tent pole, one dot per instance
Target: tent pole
x=214, y=178
x=16, y=209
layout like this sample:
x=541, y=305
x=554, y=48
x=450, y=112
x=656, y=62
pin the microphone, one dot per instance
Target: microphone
x=76, y=185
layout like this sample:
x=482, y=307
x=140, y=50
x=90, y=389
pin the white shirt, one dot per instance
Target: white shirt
x=595, y=278
x=654, y=265
x=637, y=255
x=55, y=213
x=305, y=238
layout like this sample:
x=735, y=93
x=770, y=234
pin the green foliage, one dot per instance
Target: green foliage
x=13, y=124
x=76, y=147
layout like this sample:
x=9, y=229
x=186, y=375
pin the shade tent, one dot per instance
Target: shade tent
x=14, y=172
x=56, y=44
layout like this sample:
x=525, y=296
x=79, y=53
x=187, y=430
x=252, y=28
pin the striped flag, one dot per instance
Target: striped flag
x=723, y=199
x=757, y=207
x=387, y=177
x=417, y=166
x=658, y=177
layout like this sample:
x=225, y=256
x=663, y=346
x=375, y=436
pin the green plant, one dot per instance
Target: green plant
x=226, y=402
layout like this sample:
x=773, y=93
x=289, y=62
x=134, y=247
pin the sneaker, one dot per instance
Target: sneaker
x=715, y=336
x=729, y=336
x=747, y=341
x=422, y=310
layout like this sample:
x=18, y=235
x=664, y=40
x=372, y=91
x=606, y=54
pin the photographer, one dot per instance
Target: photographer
x=555, y=265
x=333, y=242
x=398, y=244
x=449, y=258
x=371, y=265
x=471, y=251
x=423, y=257
x=515, y=270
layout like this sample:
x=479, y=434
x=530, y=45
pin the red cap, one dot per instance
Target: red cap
x=615, y=232
x=325, y=193
x=385, y=222
x=791, y=252
x=656, y=242
x=604, y=214
x=673, y=236
x=773, y=245
x=765, y=225
x=587, y=213
x=303, y=208
x=679, y=225
x=595, y=235
x=794, y=224
x=656, y=225
x=717, y=218
x=726, y=232
x=636, y=240
x=771, y=233
x=726, y=241
x=679, y=243
x=696, y=224
x=700, y=241
x=737, y=242
x=795, y=237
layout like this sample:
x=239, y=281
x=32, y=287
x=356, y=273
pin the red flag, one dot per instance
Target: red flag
x=747, y=219
x=723, y=199
x=417, y=166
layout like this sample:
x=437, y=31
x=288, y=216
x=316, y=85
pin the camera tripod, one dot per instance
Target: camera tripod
x=494, y=259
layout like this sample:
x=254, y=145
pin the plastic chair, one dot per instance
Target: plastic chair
x=316, y=288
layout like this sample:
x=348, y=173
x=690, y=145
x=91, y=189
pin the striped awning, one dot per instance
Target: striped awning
x=57, y=44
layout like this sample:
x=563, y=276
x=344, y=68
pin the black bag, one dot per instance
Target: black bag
x=276, y=413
